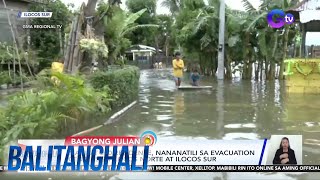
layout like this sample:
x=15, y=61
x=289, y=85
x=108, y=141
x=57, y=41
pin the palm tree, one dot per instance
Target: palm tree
x=117, y=27
x=265, y=33
x=173, y=5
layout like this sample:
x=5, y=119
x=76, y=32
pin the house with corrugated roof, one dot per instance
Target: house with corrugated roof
x=141, y=53
x=307, y=13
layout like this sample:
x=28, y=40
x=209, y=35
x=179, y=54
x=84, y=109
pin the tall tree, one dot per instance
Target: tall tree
x=173, y=5
x=118, y=27
x=47, y=41
x=143, y=36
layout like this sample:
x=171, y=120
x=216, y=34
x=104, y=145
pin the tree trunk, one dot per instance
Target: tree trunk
x=285, y=47
x=250, y=71
x=228, y=67
x=300, y=50
x=272, y=57
x=271, y=70
x=215, y=62
x=245, y=56
x=60, y=42
x=110, y=59
x=9, y=70
x=257, y=71
x=261, y=62
x=89, y=10
x=14, y=67
x=303, y=44
x=266, y=68
x=73, y=40
x=14, y=42
x=76, y=54
x=68, y=47
x=294, y=50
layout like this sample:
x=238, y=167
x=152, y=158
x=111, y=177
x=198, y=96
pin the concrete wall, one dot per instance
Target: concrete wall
x=14, y=7
x=300, y=83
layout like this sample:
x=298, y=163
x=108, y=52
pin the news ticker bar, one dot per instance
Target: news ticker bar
x=208, y=168
x=235, y=168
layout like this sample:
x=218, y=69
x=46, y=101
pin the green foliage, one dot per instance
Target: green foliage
x=50, y=109
x=46, y=41
x=5, y=78
x=137, y=5
x=94, y=47
x=118, y=26
x=172, y=5
x=6, y=52
x=248, y=36
x=123, y=83
x=164, y=32
x=198, y=24
x=143, y=36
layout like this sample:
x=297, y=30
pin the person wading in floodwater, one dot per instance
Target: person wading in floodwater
x=178, y=67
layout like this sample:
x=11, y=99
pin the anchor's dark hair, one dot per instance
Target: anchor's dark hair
x=284, y=138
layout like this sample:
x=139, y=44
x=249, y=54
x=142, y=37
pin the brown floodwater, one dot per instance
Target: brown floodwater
x=235, y=109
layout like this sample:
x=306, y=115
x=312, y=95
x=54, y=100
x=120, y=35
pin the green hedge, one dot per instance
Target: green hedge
x=123, y=84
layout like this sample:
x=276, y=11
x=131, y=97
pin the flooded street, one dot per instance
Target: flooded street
x=234, y=110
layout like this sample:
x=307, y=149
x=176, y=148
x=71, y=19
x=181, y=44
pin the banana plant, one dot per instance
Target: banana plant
x=118, y=26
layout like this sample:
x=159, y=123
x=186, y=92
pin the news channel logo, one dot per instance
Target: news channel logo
x=281, y=20
x=149, y=138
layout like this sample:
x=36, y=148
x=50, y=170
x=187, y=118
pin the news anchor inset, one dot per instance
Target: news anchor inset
x=285, y=155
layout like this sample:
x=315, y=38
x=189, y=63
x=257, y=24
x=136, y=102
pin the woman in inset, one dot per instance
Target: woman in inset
x=284, y=155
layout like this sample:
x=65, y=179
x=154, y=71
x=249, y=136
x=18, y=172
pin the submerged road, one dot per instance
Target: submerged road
x=234, y=110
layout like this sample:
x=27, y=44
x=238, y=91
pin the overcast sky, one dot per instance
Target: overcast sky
x=312, y=38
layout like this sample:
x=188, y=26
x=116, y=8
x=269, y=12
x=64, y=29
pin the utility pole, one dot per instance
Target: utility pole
x=221, y=40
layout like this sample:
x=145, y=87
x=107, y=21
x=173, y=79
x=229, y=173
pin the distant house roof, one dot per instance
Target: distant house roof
x=307, y=11
x=31, y=1
x=143, y=47
x=35, y=1
x=307, y=5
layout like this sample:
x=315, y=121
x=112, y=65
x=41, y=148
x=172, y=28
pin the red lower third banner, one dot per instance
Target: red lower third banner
x=103, y=141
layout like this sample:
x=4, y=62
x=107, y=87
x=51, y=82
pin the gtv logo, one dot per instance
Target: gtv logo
x=281, y=20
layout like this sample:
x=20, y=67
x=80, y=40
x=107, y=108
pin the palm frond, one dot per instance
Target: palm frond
x=133, y=17
x=255, y=20
x=248, y=6
x=214, y=3
x=286, y=4
x=233, y=40
x=205, y=41
x=200, y=22
x=130, y=29
x=210, y=8
x=173, y=5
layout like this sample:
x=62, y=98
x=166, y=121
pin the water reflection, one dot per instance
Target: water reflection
x=178, y=107
x=220, y=109
x=234, y=110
